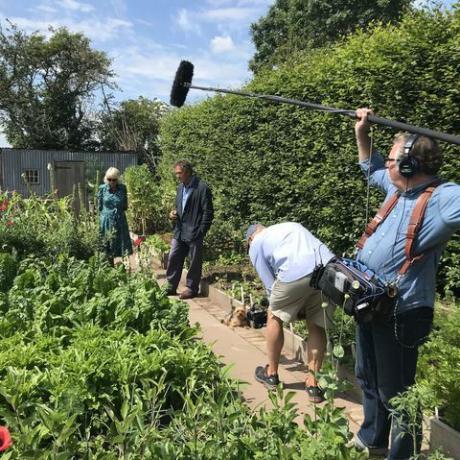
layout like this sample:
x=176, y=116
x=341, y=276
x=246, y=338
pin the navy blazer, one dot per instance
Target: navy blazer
x=194, y=221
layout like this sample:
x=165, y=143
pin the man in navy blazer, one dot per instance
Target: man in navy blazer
x=193, y=217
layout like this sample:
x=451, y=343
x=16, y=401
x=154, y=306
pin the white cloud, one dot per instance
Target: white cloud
x=45, y=8
x=120, y=7
x=73, y=5
x=92, y=28
x=220, y=3
x=210, y=33
x=228, y=14
x=222, y=44
x=186, y=21
x=143, y=22
x=223, y=18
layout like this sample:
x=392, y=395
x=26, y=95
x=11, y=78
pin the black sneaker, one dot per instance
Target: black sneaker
x=372, y=451
x=270, y=381
x=170, y=291
x=315, y=394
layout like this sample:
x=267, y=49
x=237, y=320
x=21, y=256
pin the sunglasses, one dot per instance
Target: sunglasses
x=112, y=180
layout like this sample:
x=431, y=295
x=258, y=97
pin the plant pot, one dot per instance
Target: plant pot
x=445, y=438
x=204, y=288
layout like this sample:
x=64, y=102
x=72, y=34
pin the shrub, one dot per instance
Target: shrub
x=102, y=391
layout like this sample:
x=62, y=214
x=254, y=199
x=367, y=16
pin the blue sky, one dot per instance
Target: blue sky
x=147, y=39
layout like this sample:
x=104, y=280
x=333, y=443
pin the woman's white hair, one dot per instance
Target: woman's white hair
x=111, y=173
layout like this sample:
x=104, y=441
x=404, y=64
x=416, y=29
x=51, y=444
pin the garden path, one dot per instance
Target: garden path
x=244, y=349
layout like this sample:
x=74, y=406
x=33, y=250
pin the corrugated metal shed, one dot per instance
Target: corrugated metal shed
x=14, y=162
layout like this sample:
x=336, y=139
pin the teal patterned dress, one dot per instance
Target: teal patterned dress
x=113, y=225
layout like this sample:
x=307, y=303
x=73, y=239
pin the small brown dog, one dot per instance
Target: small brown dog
x=237, y=318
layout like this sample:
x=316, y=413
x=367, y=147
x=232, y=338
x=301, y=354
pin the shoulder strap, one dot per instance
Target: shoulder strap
x=382, y=214
x=413, y=228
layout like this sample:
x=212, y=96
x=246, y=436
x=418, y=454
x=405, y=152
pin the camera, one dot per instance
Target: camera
x=257, y=315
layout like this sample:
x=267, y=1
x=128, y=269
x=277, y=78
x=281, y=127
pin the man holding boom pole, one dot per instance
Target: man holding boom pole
x=402, y=245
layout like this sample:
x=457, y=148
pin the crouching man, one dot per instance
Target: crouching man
x=284, y=256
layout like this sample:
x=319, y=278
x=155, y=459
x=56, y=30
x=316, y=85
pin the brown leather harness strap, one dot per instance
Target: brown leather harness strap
x=381, y=215
x=413, y=228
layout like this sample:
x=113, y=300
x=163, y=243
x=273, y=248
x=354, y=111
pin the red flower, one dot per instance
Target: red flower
x=10, y=223
x=5, y=439
x=139, y=240
x=4, y=205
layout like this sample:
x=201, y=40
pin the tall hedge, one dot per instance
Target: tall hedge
x=271, y=163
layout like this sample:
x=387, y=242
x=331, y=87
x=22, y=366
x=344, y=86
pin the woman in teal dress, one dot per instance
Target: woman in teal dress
x=113, y=226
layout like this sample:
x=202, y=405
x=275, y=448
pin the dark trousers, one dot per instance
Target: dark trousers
x=179, y=251
x=386, y=362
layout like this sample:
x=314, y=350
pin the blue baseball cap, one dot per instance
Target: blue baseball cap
x=250, y=231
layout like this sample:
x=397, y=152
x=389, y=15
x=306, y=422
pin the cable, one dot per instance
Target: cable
x=368, y=187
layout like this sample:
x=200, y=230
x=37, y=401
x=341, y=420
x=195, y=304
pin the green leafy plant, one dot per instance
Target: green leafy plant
x=438, y=370
x=8, y=270
x=149, y=202
x=45, y=226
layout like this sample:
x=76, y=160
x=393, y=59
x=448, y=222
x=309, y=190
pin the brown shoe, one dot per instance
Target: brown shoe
x=187, y=294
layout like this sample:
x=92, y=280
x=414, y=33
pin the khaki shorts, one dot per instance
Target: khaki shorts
x=298, y=300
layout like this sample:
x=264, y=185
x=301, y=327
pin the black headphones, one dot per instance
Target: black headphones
x=408, y=165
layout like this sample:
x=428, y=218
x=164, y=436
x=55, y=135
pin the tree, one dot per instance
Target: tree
x=294, y=25
x=47, y=86
x=134, y=125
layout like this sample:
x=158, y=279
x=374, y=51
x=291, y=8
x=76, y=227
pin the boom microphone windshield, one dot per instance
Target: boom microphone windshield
x=183, y=82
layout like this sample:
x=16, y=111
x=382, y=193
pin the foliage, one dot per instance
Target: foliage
x=88, y=361
x=406, y=412
x=438, y=368
x=149, y=201
x=410, y=403
x=43, y=299
x=96, y=362
x=295, y=25
x=8, y=270
x=222, y=239
x=206, y=430
x=157, y=244
x=46, y=226
x=273, y=163
x=104, y=392
x=46, y=85
x=133, y=126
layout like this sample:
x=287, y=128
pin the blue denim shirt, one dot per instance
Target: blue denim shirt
x=384, y=253
x=186, y=190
